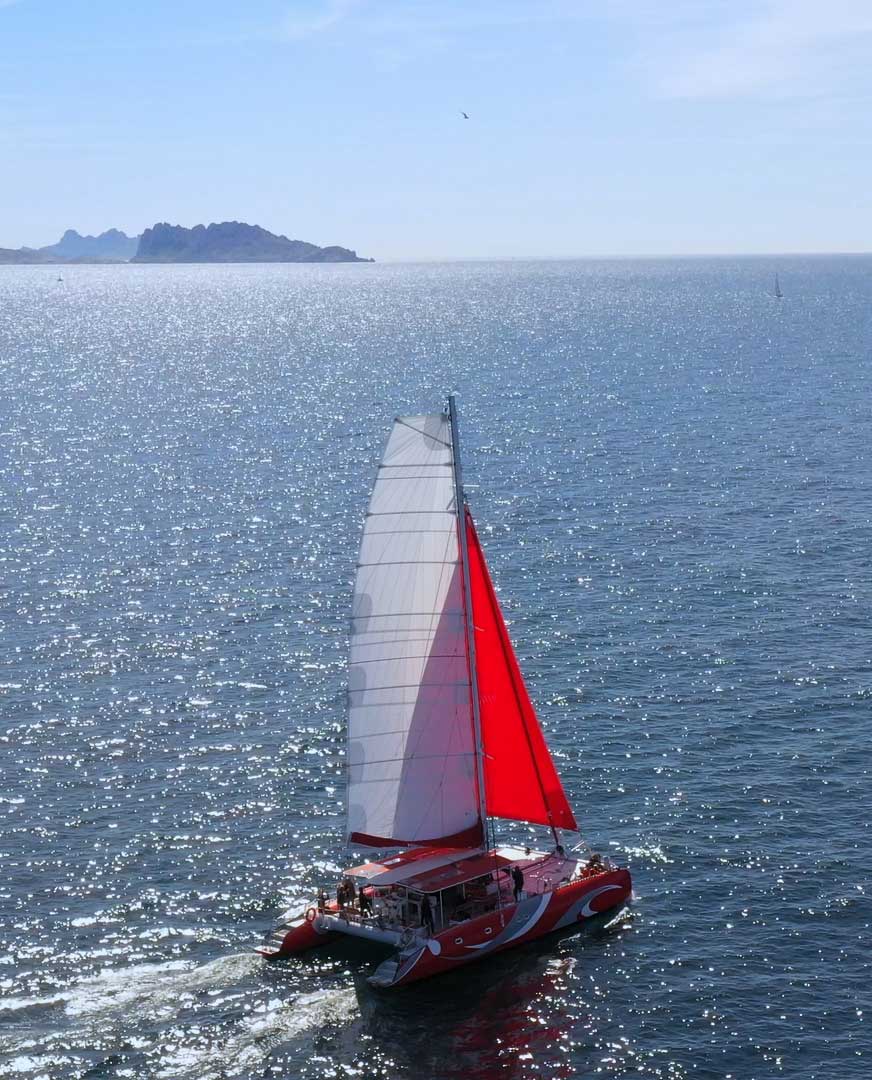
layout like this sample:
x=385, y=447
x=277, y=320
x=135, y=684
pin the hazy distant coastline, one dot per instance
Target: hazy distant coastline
x=227, y=241
x=109, y=246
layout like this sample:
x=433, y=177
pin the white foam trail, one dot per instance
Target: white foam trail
x=154, y=988
x=24, y=1064
x=16, y=1004
x=623, y=915
x=246, y=1050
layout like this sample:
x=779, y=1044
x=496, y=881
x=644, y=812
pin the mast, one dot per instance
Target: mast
x=460, y=505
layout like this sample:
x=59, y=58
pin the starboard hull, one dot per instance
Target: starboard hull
x=532, y=918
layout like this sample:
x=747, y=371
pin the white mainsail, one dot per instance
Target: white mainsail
x=411, y=749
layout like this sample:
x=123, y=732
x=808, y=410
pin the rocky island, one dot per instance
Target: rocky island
x=228, y=241
x=231, y=241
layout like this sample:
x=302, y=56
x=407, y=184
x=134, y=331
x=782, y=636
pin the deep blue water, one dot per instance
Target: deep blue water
x=671, y=474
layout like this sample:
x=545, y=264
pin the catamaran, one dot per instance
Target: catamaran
x=442, y=740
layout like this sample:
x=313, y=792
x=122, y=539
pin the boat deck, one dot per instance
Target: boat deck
x=461, y=885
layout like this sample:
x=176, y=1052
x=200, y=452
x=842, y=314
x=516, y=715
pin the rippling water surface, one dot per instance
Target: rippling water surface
x=671, y=473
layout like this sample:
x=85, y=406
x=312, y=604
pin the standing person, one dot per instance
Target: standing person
x=427, y=915
x=346, y=894
x=518, y=881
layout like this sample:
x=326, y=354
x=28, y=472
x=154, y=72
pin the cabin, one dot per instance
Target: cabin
x=460, y=885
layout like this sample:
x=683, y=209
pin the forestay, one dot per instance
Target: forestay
x=411, y=756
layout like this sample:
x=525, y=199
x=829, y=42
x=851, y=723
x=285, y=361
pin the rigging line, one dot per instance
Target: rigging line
x=390, y=635
x=402, y=479
x=414, y=465
x=397, y=731
x=404, y=513
x=407, y=656
x=398, y=635
x=406, y=686
x=360, y=647
x=444, y=512
x=403, y=614
x=426, y=434
x=393, y=760
x=402, y=562
x=356, y=705
x=407, y=532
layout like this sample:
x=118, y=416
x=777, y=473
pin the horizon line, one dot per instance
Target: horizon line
x=597, y=256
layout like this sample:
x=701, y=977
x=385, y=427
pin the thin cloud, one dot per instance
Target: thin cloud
x=308, y=20
x=428, y=19
x=792, y=48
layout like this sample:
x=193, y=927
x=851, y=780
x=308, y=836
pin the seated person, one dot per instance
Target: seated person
x=477, y=888
x=391, y=909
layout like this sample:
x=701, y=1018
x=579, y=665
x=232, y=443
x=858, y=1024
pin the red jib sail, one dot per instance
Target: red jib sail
x=520, y=779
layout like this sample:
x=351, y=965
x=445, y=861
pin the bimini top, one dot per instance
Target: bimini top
x=409, y=863
x=435, y=870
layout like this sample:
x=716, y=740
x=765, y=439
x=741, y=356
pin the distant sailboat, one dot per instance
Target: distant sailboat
x=778, y=293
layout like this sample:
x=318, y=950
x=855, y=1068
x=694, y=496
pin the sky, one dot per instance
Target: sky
x=609, y=127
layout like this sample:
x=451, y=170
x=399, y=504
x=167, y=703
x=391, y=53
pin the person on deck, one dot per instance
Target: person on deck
x=346, y=893
x=517, y=881
x=427, y=915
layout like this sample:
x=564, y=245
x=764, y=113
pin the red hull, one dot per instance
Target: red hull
x=516, y=924
x=296, y=936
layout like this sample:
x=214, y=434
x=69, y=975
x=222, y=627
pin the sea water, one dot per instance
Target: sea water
x=670, y=471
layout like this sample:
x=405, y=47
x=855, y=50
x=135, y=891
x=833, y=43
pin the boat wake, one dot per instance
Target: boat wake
x=244, y=1052
x=155, y=989
x=108, y=1001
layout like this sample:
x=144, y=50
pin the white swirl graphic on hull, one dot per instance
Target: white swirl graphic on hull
x=586, y=910
x=527, y=924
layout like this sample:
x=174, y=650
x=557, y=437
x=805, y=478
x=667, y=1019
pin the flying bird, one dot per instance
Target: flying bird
x=464, y=115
